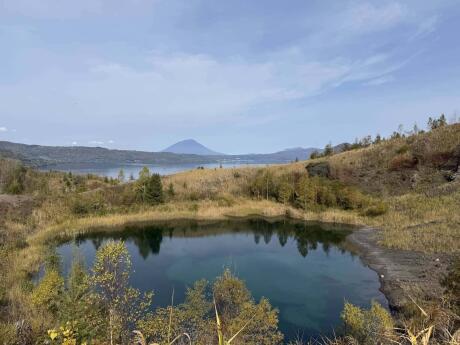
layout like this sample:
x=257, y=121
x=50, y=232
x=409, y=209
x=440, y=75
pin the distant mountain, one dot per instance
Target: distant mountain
x=37, y=155
x=191, y=147
x=47, y=156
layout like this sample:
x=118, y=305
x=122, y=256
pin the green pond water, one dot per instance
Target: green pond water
x=304, y=269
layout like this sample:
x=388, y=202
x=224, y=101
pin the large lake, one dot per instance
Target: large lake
x=304, y=269
x=134, y=169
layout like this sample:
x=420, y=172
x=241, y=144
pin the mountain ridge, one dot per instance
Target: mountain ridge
x=43, y=156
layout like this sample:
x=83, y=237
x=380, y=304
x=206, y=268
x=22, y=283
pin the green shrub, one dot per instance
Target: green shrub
x=197, y=316
x=15, y=179
x=171, y=191
x=48, y=292
x=368, y=327
x=376, y=209
x=122, y=305
x=83, y=205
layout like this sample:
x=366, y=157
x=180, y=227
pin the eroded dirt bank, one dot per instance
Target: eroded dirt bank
x=402, y=273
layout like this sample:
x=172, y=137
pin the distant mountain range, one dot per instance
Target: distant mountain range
x=38, y=155
x=191, y=146
x=184, y=152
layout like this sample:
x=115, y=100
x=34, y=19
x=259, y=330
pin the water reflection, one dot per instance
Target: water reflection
x=307, y=236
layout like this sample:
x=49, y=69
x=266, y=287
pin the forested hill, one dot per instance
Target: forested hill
x=38, y=155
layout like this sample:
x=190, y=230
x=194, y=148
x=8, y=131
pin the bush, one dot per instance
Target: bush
x=368, y=327
x=49, y=291
x=14, y=178
x=83, y=205
x=197, y=316
x=321, y=169
x=377, y=209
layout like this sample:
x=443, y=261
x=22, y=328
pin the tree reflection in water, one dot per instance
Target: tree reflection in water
x=307, y=235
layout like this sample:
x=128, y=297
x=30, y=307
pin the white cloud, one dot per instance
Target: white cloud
x=74, y=143
x=111, y=142
x=3, y=129
x=380, y=80
x=185, y=89
x=95, y=142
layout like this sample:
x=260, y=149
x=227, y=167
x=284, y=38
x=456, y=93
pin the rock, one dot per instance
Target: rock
x=321, y=169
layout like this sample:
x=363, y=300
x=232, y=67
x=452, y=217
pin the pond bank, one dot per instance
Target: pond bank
x=403, y=274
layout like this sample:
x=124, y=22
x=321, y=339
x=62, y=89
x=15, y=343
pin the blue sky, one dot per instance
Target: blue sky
x=239, y=76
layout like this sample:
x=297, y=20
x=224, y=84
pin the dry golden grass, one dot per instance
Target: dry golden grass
x=210, y=183
x=422, y=223
x=371, y=168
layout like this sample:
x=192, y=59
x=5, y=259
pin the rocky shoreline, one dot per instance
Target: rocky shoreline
x=403, y=274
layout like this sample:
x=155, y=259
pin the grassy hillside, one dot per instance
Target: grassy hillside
x=418, y=163
x=417, y=177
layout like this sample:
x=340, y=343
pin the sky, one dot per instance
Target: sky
x=238, y=76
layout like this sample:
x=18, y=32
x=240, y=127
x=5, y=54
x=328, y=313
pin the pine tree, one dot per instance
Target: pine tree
x=149, y=187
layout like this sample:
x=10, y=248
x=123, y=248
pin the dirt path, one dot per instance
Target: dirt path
x=402, y=273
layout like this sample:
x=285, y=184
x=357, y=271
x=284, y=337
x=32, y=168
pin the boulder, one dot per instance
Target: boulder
x=321, y=169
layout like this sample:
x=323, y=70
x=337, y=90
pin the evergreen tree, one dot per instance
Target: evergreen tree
x=328, y=150
x=149, y=187
x=121, y=176
x=314, y=155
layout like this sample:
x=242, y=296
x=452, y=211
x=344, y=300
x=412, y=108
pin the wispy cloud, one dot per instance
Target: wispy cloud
x=380, y=81
x=364, y=17
x=188, y=87
x=426, y=26
x=3, y=129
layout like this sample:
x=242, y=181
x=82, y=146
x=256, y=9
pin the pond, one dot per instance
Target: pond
x=304, y=269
